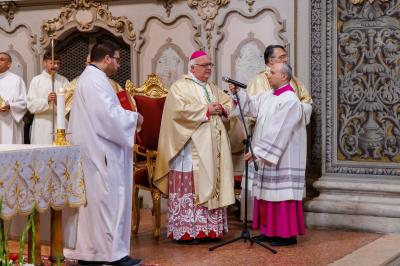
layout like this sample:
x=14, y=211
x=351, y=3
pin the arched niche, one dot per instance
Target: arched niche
x=18, y=65
x=240, y=28
x=169, y=63
x=248, y=59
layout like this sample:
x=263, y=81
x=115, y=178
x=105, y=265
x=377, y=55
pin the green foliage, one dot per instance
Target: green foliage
x=29, y=225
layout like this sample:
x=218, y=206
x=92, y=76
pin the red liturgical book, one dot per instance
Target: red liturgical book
x=125, y=100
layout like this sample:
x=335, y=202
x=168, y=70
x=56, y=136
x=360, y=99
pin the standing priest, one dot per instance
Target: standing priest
x=12, y=103
x=280, y=147
x=194, y=164
x=105, y=132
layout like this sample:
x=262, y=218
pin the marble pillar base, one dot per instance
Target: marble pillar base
x=356, y=204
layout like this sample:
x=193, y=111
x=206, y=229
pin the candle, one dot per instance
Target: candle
x=61, y=109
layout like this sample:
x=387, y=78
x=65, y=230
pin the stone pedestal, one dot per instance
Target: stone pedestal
x=356, y=204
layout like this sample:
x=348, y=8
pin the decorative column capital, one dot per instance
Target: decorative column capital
x=8, y=8
x=208, y=10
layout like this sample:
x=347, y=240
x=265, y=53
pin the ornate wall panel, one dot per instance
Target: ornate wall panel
x=170, y=63
x=175, y=32
x=235, y=46
x=248, y=59
x=368, y=81
x=362, y=99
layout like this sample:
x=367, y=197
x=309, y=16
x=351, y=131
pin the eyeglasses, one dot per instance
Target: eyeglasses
x=117, y=59
x=282, y=57
x=205, y=65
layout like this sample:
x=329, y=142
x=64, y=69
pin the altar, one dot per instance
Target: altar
x=41, y=177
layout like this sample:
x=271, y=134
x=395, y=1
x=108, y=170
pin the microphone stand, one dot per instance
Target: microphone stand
x=245, y=235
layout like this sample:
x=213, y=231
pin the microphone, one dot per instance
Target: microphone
x=234, y=82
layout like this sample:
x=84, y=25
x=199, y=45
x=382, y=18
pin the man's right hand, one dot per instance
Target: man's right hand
x=233, y=88
x=52, y=97
x=215, y=109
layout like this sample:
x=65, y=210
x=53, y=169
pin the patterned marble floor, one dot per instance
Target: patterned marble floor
x=317, y=247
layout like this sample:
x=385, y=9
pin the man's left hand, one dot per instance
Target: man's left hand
x=248, y=157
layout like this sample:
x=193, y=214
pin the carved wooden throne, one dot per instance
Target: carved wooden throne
x=150, y=99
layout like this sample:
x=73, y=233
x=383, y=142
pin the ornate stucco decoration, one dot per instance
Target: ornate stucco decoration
x=280, y=23
x=168, y=6
x=368, y=80
x=208, y=10
x=362, y=1
x=8, y=8
x=86, y=15
x=250, y=3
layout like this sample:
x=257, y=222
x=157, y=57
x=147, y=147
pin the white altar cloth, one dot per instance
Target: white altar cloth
x=40, y=176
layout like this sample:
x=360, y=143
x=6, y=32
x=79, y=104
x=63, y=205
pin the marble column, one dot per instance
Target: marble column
x=355, y=51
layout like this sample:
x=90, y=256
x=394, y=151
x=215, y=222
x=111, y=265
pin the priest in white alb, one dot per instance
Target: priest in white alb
x=41, y=100
x=70, y=89
x=194, y=164
x=12, y=103
x=105, y=133
x=274, y=54
x=280, y=148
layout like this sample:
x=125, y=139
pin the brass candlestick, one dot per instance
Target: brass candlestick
x=61, y=138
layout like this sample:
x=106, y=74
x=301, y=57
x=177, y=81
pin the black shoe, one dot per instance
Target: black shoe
x=284, y=242
x=263, y=238
x=194, y=241
x=207, y=240
x=91, y=263
x=126, y=261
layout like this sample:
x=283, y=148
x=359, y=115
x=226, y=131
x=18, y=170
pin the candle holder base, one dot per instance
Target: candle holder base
x=61, y=138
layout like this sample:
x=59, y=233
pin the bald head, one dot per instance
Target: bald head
x=279, y=75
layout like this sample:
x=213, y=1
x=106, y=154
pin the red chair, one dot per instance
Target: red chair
x=149, y=99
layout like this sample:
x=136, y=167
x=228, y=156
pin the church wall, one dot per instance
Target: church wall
x=269, y=21
x=235, y=33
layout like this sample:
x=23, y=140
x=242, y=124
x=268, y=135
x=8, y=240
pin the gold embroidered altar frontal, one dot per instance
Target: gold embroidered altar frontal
x=40, y=176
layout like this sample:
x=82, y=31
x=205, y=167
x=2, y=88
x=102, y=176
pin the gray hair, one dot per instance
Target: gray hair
x=191, y=63
x=286, y=69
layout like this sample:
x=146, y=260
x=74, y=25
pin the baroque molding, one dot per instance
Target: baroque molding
x=32, y=36
x=168, y=6
x=85, y=15
x=196, y=29
x=8, y=8
x=250, y=3
x=280, y=29
x=208, y=10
